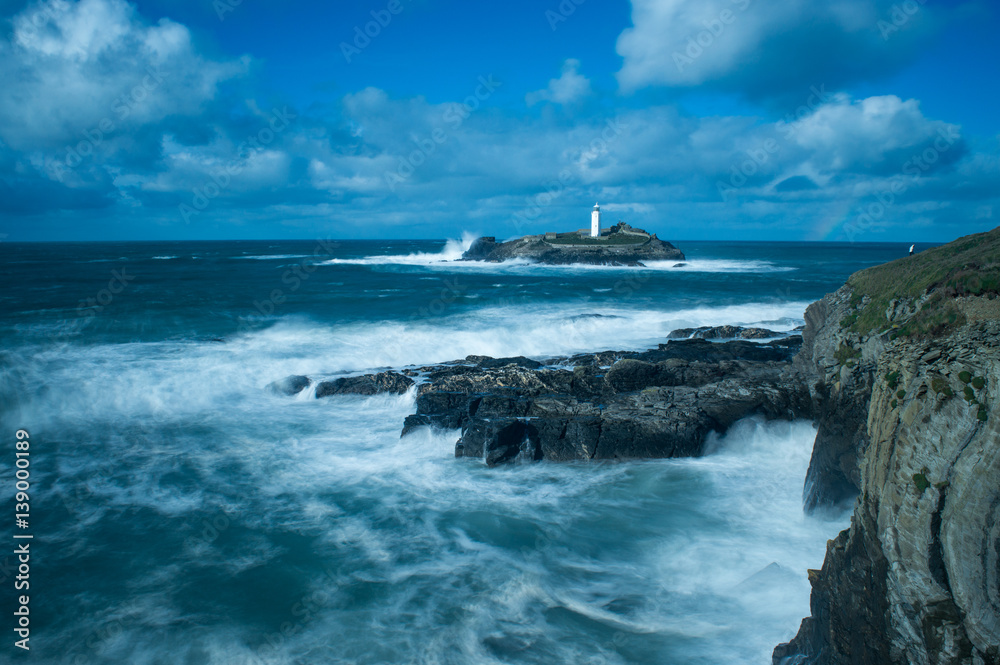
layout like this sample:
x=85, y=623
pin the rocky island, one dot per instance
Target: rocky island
x=621, y=245
x=899, y=369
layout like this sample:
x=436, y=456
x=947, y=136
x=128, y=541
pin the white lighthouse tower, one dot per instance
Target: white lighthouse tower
x=595, y=222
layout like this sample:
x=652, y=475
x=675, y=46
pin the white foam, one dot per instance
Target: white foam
x=174, y=379
x=533, y=555
x=719, y=265
x=274, y=257
x=452, y=251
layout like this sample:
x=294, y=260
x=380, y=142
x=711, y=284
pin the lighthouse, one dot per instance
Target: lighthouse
x=595, y=222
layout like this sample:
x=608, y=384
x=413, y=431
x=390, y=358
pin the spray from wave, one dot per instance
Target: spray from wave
x=452, y=251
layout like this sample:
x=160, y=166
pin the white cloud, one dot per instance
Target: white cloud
x=872, y=134
x=759, y=47
x=69, y=66
x=569, y=88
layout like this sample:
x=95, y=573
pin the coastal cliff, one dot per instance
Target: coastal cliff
x=903, y=364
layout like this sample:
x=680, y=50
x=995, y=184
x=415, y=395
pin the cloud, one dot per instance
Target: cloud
x=68, y=66
x=767, y=49
x=569, y=88
x=876, y=135
x=92, y=89
x=377, y=164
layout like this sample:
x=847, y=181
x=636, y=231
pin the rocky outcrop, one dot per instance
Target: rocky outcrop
x=723, y=332
x=290, y=385
x=623, y=246
x=905, y=374
x=610, y=405
x=368, y=384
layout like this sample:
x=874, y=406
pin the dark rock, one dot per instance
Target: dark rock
x=647, y=247
x=480, y=249
x=584, y=317
x=658, y=403
x=723, y=332
x=367, y=384
x=849, y=604
x=290, y=385
x=520, y=361
x=680, y=265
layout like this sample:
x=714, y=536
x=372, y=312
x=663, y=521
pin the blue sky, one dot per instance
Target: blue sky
x=863, y=120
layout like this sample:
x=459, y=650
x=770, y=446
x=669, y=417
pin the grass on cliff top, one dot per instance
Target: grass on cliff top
x=616, y=239
x=967, y=266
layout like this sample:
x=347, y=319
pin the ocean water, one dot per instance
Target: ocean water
x=183, y=514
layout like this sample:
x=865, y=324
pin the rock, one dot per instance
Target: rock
x=480, y=249
x=520, y=361
x=616, y=249
x=368, y=384
x=290, y=385
x=679, y=265
x=658, y=403
x=723, y=332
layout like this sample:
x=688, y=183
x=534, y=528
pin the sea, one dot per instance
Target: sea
x=181, y=513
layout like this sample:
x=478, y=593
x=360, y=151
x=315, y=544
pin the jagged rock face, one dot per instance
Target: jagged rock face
x=368, y=384
x=838, y=368
x=660, y=403
x=912, y=425
x=723, y=332
x=535, y=248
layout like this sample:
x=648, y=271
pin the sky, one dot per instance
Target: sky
x=839, y=120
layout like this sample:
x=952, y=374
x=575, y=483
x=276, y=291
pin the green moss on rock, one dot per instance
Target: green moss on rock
x=892, y=380
x=967, y=266
x=845, y=354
